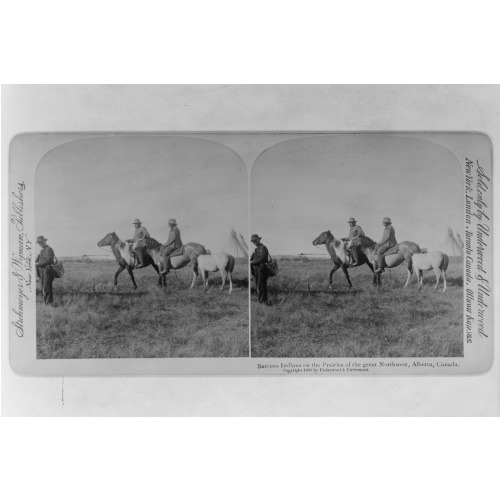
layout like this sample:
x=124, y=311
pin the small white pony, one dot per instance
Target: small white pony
x=210, y=263
x=435, y=260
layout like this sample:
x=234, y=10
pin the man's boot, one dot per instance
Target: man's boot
x=140, y=262
x=381, y=266
x=167, y=266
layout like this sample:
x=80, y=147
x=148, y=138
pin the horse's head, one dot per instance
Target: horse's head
x=323, y=238
x=108, y=240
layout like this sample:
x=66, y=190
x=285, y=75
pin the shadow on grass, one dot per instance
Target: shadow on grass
x=318, y=292
x=240, y=282
x=272, y=293
x=100, y=294
x=237, y=282
x=454, y=281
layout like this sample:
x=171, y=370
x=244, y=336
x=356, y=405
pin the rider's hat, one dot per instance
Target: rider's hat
x=387, y=219
x=137, y=221
x=352, y=219
x=41, y=239
x=172, y=222
x=255, y=237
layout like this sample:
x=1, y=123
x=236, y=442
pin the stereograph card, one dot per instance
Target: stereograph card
x=383, y=245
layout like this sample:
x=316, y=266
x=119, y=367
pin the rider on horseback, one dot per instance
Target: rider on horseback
x=387, y=243
x=173, y=243
x=140, y=233
x=355, y=247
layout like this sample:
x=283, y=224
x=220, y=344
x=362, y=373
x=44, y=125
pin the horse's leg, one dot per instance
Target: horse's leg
x=195, y=268
x=410, y=273
x=151, y=262
x=437, y=272
x=205, y=280
x=131, y=274
x=408, y=279
x=420, y=277
x=155, y=267
x=372, y=267
x=120, y=269
x=346, y=273
x=335, y=267
x=230, y=281
x=160, y=276
x=443, y=272
x=223, y=276
x=369, y=264
x=195, y=275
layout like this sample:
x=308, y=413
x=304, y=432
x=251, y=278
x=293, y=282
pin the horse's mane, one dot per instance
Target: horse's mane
x=329, y=233
x=337, y=243
x=151, y=242
x=366, y=242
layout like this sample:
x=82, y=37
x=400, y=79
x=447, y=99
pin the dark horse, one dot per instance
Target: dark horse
x=402, y=252
x=124, y=257
x=187, y=254
x=339, y=254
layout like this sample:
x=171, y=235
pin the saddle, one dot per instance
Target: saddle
x=177, y=251
x=393, y=250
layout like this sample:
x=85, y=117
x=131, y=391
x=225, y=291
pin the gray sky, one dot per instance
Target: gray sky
x=88, y=188
x=302, y=187
x=299, y=188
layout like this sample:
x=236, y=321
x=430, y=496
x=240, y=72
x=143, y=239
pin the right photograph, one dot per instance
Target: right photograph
x=357, y=248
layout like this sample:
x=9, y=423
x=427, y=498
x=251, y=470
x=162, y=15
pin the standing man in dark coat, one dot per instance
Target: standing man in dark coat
x=258, y=266
x=44, y=270
x=140, y=233
x=387, y=242
x=173, y=243
x=354, y=231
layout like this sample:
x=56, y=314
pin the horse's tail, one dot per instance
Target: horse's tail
x=445, y=262
x=404, y=247
x=230, y=264
x=407, y=253
x=194, y=261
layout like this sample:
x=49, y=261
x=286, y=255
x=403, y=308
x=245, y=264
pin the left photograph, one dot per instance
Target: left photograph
x=141, y=249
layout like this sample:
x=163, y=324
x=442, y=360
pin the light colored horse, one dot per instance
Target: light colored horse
x=187, y=255
x=124, y=256
x=435, y=260
x=222, y=262
x=403, y=253
x=339, y=254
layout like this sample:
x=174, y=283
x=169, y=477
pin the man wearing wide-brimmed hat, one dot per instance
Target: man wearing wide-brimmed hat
x=44, y=269
x=258, y=266
x=173, y=243
x=354, y=231
x=387, y=242
x=140, y=233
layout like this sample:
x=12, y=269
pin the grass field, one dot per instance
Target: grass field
x=93, y=320
x=359, y=322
